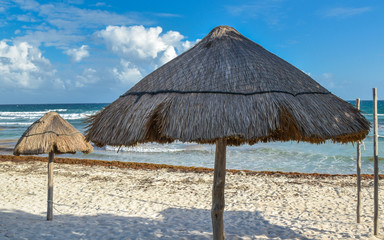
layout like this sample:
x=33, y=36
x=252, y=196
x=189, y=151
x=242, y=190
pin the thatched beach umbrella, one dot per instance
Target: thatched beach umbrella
x=226, y=90
x=51, y=134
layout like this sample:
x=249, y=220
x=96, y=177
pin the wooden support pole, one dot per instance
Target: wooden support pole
x=218, y=190
x=50, y=186
x=358, y=173
x=376, y=164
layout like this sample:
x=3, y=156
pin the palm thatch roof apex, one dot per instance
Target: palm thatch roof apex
x=227, y=62
x=227, y=86
x=51, y=133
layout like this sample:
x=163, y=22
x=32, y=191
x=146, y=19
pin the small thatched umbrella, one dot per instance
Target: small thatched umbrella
x=51, y=134
x=226, y=90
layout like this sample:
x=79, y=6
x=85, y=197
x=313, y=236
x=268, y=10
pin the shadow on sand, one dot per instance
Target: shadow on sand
x=173, y=223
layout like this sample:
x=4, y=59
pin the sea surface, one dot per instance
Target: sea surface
x=274, y=156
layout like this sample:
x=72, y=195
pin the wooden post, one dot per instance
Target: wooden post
x=218, y=190
x=50, y=186
x=358, y=173
x=376, y=164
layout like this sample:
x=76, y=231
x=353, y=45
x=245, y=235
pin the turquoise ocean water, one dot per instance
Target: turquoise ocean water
x=273, y=156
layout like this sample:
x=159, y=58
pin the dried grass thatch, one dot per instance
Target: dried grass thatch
x=51, y=133
x=229, y=87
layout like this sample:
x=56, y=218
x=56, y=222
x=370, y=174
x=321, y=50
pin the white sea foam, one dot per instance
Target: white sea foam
x=16, y=123
x=38, y=114
x=8, y=118
x=56, y=110
x=23, y=114
x=143, y=149
x=74, y=116
x=371, y=114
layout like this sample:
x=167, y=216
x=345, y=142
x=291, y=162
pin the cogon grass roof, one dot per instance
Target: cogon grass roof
x=227, y=86
x=51, y=133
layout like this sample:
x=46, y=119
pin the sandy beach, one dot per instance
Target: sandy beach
x=109, y=202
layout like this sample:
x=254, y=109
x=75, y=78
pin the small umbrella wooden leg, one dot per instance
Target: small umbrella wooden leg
x=50, y=186
x=218, y=190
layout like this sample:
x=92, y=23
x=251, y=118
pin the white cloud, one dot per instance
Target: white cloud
x=168, y=15
x=64, y=16
x=308, y=73
x=187, y=44
x=135, y=41
x=65, y=24
x=267, y=10
x=78, y=53
x=23, y=66
x=143, y=48
x=327, y=75
x=88, y=76
x=138, y=42
x=51, y=37
x=99, y=4
x=25, y=18
x=27, y=4
x=127, y=73
x=327, y=80
x=346, y=12
x=168, y=55
x=58, y=83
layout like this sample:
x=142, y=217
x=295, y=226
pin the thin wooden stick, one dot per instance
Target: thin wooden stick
x=218, y=203
x=358, y=173
x=376, y=164
x=50, y=186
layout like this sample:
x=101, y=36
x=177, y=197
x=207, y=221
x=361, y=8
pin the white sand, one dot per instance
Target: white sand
x=103, y=203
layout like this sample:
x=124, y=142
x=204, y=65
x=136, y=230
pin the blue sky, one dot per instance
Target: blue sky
x=93, y=51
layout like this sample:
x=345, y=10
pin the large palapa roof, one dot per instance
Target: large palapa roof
x=51, y=133
x=227, y=86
